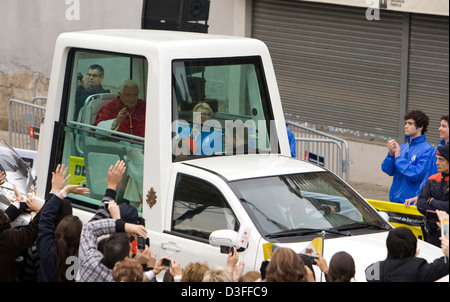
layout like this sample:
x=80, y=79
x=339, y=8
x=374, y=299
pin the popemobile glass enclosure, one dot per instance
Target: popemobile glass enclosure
x=220, y=106
x=90, y=150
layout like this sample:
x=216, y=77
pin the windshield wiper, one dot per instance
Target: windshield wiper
x=265, y=216
x=358, y=225
x=305, y=231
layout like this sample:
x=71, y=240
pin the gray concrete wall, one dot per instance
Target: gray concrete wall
x=365, y=171
x=366, y=163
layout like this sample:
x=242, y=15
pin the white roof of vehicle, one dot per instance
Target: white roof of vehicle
x=152, y=35
x=177, y=43
x=253, y=165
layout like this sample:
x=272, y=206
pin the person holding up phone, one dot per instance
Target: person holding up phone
x=443, y=223
x=434, y=196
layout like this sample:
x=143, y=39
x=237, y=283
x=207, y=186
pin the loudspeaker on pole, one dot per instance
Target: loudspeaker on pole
x=181, y=15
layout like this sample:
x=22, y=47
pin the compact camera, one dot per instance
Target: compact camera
x=142, y=242
x=226, y=249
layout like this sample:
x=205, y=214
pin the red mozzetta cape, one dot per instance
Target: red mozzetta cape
x=111, y=109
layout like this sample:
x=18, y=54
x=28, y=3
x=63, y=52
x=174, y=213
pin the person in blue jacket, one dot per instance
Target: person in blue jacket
x=408, y=163
x=292, y=143
x=432, y=167
x=208, y=142
x=444, y=136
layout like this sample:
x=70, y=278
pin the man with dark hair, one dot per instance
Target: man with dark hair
x=408, y=163
x=117, y=247
x=444, y=136
x=402, y=265
x=432, y=167
x=95, y=266
x=91, y=83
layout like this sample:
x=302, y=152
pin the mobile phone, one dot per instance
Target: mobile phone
x=431, y=216
x=166, y=262
x=226, y=249
x=141, y=243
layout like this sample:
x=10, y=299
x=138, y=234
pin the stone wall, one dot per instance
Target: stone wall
x=22, y=84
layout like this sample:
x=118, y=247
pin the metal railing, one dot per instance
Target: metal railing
x=24, y=122
x=333, y=150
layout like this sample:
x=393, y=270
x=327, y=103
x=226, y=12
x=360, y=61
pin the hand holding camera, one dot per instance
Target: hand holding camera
x=143, y=255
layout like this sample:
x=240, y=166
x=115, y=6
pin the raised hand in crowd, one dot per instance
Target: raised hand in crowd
x=115, y=174
x=143, y=256
x=238, y=271
x=32, y=203
x=175, y=270
x=443, y=216
x=232, y=260
x=59, y=180
x=135, y=230
x=114, y=209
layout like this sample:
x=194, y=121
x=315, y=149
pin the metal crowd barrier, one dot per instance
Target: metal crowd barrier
x=24, y=123
x=321, y=148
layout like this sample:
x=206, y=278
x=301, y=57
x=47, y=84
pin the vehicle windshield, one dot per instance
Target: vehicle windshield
x=305, y=202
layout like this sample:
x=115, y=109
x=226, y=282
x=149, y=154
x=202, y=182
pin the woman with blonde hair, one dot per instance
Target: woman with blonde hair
x=218, y=274
x=194, y=272
x=128, y=270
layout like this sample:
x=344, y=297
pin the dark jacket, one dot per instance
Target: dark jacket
x=436, y=187
x=411, y=269
x=12, y=244
x=46, y=240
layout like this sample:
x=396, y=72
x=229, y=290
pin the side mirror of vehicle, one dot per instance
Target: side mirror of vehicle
x=223, y=238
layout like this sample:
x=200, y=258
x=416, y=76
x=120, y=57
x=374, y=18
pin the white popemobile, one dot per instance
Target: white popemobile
x=237, y=177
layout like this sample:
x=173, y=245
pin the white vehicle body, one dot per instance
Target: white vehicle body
x=157, y=51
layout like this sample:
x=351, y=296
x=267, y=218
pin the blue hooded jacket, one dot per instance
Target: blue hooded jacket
x=408, y=169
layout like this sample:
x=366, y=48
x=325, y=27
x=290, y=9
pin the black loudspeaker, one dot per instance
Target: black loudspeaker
x=176, y=15
x=195, y=10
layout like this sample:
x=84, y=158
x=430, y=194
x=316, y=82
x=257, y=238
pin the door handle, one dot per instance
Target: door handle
x=170, y=246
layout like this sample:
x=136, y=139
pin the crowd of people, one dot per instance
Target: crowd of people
x=420, y=172
x=107, y=249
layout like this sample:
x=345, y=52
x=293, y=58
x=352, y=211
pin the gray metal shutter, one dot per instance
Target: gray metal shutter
x=333, y=66
x=428, y=69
